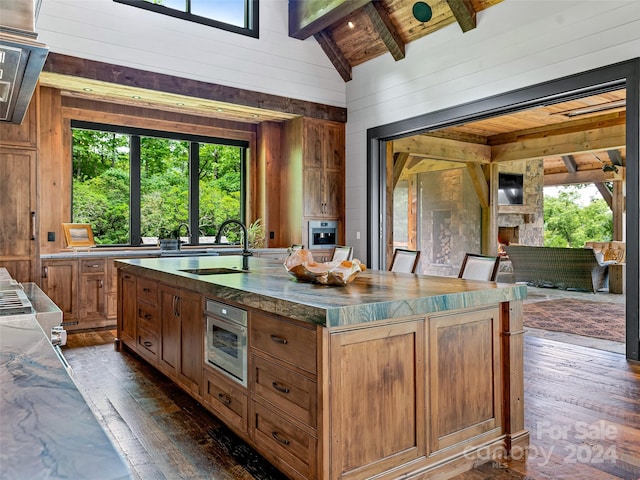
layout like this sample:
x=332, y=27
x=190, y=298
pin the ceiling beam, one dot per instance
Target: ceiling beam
x=606, y=193
x=334, y=53
x=443, y=149
x=464, y=13
x=399, y=161
x=584, y=176
x=384, y=27
x=309, y=17
x=570, y=163
x=568, y=144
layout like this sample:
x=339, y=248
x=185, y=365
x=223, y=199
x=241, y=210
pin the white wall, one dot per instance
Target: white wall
x=114, y=33
x=517, y=43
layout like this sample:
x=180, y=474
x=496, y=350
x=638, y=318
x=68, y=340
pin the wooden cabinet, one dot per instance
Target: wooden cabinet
x=323, y=169
x=283, y=411
x=313, y=168
x=182, y=336
x=226, y=399
x=58, y=282
x=127, y=313
x=147, y=321
x=92, y=296
x=17, y=221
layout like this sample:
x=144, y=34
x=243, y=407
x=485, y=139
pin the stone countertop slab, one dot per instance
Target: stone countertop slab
x=154, y=252
x=46, y=428
x=373, y=295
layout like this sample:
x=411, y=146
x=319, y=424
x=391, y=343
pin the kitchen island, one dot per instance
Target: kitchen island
x=391, y=376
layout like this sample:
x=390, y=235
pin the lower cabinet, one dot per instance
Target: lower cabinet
x=58, y=281
x=226, y=399
x=182, y=336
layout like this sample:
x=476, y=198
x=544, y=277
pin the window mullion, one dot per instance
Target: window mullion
x=134, y=189
x=194, y=193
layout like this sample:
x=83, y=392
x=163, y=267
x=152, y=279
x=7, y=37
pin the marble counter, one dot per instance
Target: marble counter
x=144, y=252
x=373, y=295
x=46, y=428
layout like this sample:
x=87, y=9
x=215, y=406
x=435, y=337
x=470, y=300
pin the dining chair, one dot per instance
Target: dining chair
x=296, y=246
x=404, y=261
x=341, y=253
x=479, y=267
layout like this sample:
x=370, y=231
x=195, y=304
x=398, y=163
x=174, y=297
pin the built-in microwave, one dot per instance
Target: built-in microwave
x=226, y=340
x=323, y=234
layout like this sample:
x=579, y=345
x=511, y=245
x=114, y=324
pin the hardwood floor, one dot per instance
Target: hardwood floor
x=582, y=408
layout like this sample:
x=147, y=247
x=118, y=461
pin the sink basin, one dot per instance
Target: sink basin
x=186, y=253
x=212, y=271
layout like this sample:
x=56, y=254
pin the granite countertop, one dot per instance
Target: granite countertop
x=373, y=295
x=46, y=428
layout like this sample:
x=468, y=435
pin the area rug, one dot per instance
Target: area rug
x=579, y=317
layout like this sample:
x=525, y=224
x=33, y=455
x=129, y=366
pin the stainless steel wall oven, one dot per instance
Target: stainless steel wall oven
x=226, y=340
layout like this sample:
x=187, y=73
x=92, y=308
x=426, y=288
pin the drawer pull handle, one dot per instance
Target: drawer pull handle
x=147, y=316
x=146, y=290
x=283, y=441
x=224, y=398
x=93, y=265
x=147, y=343
x=280, y=388
x=278, y=339
x=128, y=277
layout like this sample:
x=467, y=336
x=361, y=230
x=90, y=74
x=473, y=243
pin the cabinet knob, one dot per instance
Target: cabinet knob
x=280, y=388
x=146, y=290
x=147, y=343
x=283, y=441
x=279, y=339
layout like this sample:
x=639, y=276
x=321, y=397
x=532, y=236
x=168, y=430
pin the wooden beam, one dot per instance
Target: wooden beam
x=334, y=53
x=443, y=149
x=464, y=13
x=309, y=17
x=399, y=161
x=385, y=28
x=567, y=144
x=606, y=193
x=479, y=183
x=570, y=163
x=162, y=83
x=584, y=176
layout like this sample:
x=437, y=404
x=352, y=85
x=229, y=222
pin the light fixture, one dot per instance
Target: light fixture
x=422, y=12
x=350, y=24
x=87, y=89
x=137, y=97
x=180, y=104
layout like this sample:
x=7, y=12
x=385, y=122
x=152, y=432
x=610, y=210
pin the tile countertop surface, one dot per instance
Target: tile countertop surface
x=373, y=295
x=46, y=428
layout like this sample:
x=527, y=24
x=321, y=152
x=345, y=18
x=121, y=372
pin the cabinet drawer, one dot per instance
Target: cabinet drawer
x=147, y=290
x=290, y=392
x=148, y=316
x=290, y=447
x=92, y=266
x=284, y=340
x=226, y=399
x=148, y=341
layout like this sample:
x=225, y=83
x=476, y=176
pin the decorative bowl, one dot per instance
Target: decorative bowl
x=301, y=265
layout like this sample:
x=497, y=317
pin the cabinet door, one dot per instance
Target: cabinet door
x=182, y=336
x=127, y=312
x=313, y=193
x=17, y=221
x=92, y=292
x=59, y=284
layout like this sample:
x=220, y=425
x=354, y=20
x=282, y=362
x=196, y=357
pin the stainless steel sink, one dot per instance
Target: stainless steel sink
x=212, y=271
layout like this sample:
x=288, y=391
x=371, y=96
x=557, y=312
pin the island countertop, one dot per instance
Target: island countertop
x=373, y=295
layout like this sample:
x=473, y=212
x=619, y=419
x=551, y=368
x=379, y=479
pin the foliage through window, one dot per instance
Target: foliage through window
x=130, y=184
x=238, y=16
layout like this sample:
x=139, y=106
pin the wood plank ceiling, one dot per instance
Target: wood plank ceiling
x=352, y=32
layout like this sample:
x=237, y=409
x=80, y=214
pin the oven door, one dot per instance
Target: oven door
x=226, y=348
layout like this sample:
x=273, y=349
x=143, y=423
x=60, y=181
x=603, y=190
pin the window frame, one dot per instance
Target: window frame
x=252, y=24
x=135, y=133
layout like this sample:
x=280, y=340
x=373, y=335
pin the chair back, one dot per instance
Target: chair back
x=404, y=261
x=341, y=253
x=479, y=267
x=295, y=246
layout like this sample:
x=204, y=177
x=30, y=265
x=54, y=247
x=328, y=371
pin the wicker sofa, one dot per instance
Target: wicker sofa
x=565, y=268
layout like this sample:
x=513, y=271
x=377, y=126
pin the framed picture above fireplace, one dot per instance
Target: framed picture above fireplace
x=510, y=189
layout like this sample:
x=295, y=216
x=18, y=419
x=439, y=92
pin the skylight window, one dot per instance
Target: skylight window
x=238, y=16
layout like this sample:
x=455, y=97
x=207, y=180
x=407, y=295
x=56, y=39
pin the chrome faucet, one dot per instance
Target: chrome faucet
x=245, y=248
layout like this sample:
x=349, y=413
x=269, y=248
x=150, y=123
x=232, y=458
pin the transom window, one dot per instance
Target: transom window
x=238, y=16
x=134, y=185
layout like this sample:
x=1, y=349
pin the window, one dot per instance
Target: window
x=129, y=183
x=238, y=16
